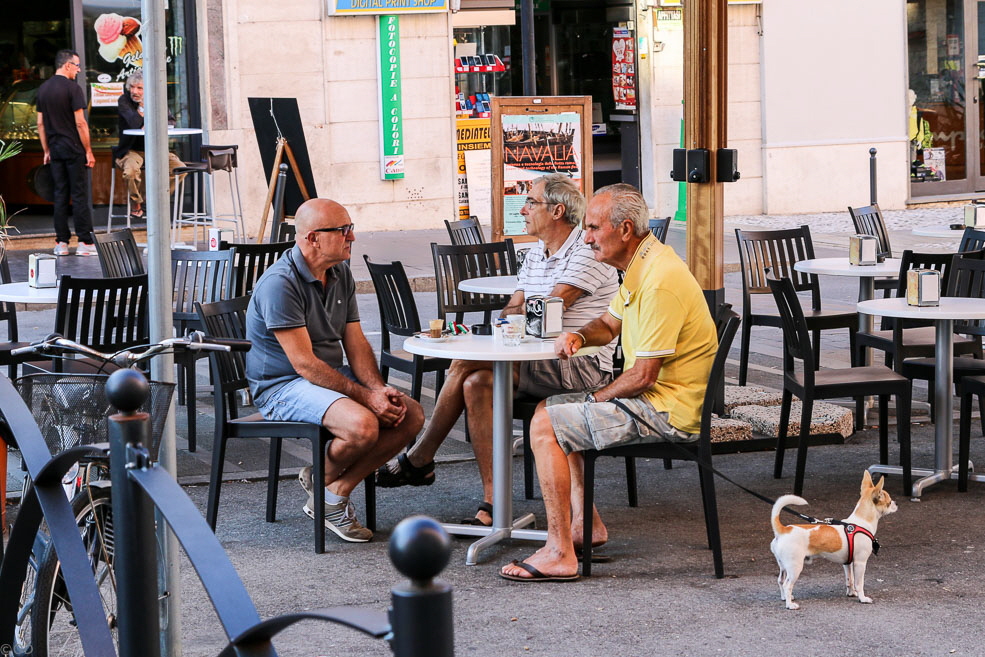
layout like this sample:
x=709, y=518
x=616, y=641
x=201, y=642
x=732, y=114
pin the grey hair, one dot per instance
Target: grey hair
x=560, y=189
x=627, y=204
x=135, y=77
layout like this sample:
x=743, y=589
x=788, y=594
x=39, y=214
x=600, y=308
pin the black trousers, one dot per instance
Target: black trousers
x=71, y=181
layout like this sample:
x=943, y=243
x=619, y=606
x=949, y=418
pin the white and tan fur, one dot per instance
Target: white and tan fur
x=794, y=545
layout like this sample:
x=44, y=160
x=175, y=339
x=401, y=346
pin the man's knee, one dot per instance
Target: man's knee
x=414, y=420
x=359, y=428
x=478, y=384
x=541, y=430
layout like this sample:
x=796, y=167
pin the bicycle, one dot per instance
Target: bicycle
x=70, y=410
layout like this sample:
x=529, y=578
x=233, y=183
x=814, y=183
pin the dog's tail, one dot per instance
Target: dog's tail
x=785, y=500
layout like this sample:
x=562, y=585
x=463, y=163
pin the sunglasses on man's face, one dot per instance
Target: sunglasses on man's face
x=345, y=230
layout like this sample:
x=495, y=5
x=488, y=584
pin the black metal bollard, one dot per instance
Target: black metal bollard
x=421, y=609
x=135, y=558
x=872, y=177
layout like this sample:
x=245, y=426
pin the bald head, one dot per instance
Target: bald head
x=315, y=212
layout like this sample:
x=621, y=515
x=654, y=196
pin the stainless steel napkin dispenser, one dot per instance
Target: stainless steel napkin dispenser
x=974, y=215
x=923, y=287
x=544, y=316
x=41, y=270
x=863, y=250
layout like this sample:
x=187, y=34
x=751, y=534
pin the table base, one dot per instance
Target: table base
x=493, y=535
x=927, y=476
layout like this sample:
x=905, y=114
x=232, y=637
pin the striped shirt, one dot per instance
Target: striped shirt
x=573, y=264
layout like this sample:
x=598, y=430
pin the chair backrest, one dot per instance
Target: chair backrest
x=8, y=311
x=249, y=262
x=659, y=228
x=454, y=264
x=219, y=158
x=728, y=324
x=106, y=314
x=398, y=310
x=868, y=221
x=225, y=319
x=119, y=254
x=286, y=232
x=466, y=231
x=796, y=337
x=967, y=279
x=197, y=276
x=972, y=240
x=763, y=253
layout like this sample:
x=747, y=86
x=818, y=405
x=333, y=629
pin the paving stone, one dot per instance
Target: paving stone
x=750, y=396
x=725, y=430
x=826, y=419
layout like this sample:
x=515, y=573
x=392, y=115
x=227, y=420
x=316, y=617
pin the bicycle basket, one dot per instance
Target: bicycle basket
x=72, y=409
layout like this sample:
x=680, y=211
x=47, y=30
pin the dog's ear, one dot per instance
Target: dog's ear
x=876, y=491
x=866, y=481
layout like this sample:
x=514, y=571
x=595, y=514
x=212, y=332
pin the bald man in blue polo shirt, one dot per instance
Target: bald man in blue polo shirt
x=301, y=320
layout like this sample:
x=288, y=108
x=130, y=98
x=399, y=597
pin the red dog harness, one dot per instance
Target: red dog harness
x=850, y=531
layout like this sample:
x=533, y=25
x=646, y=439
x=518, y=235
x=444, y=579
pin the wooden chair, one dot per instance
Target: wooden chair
x=699, y=451
x=659, y=228
x=466, y=231
x=119, y=254
x=868, y=221
x=228, y=319
x=249, y=262
x=800, y=379
x=454, y=264
x=197, y=277
x=766, y=252
x=399, y=316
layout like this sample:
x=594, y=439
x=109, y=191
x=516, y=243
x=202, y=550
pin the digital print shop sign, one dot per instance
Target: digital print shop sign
x=371, y=7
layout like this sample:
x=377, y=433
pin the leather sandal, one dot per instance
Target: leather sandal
x=483, y=506
x=406, y=475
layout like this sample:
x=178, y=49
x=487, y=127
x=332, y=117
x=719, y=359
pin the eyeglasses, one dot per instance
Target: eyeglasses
x=533, y=201
x=345, y=230
x=76, y=65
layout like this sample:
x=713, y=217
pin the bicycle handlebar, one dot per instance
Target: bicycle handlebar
x=195, y=341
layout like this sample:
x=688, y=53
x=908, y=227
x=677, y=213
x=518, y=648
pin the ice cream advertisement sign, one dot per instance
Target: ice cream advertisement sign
x=119, y=39
x=351, y=7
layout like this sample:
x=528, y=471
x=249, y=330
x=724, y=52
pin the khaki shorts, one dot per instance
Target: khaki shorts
x=543, y=378
x=581, y=426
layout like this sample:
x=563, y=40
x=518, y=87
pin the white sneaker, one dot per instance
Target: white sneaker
x=341, y=519
x=61, y=248
x=85, y=250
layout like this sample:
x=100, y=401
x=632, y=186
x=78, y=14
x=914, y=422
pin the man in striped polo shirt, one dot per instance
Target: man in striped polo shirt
x=560, y=265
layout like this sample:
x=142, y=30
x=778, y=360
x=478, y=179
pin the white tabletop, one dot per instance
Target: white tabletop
x=172, y=132
x=940, y=231
x=949, y=308
x=489, y=285
x=841, y=267
x=24, y=293
x=483, y=347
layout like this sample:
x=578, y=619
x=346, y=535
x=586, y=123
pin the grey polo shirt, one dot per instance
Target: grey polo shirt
x=288, y=296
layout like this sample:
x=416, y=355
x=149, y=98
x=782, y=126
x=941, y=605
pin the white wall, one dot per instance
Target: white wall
x=833, y=85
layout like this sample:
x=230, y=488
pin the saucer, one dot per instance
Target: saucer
x=426, y=336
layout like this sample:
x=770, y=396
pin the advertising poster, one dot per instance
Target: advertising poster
x=471, y=135
x=623, y=69
x=532, y=146
x=933, y=159
x=105, y=94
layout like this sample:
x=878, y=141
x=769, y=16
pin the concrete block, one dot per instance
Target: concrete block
x=827, y=419
x=725, y=430
x=736, y=396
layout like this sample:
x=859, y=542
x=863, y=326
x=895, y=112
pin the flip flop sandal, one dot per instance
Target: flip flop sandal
x=407, y=475
x=137, y=214
x=484, y=506
x=536, y=575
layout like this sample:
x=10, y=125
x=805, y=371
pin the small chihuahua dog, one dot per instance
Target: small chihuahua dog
x=850, y=543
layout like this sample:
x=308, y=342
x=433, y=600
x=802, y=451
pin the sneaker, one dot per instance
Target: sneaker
x=341, y=519
x=304, y=478
x=85, y=250
x=61, y=248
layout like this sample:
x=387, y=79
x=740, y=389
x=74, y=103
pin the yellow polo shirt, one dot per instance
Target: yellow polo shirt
x=664, y=315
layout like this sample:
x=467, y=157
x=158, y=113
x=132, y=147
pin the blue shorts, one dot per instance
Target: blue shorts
x=301, y=400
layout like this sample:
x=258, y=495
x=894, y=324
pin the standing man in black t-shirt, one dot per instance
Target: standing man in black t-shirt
x=64, y=135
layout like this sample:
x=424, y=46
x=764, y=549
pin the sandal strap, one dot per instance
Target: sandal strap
x=486, y=506
x=409, y=468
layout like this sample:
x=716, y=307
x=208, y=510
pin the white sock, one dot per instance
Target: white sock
x=332, y=498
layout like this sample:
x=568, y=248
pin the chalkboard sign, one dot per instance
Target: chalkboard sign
x=269, y=114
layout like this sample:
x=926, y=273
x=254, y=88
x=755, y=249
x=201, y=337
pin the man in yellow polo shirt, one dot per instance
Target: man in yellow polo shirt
x=669, y=342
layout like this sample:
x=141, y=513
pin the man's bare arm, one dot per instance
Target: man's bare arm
x=361, y=358
x=597, y=333
x=44, y=139
x=634, y=381
x=82, y=126
x=515, y=306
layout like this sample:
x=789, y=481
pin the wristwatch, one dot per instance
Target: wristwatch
x=590, y=398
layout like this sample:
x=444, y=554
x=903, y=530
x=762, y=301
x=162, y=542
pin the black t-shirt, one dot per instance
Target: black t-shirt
x=58, y=100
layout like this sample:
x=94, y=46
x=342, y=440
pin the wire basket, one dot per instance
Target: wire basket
x=72, y=409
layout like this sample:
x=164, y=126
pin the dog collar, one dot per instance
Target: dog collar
x=850, y=531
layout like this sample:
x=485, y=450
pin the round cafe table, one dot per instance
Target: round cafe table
x=486, y=348
x=943, y=316
x=24, y=293
x=941, y=231
x=172, y=132
x=489, y=285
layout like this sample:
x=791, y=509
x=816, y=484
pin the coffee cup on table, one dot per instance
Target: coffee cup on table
x=436, y=326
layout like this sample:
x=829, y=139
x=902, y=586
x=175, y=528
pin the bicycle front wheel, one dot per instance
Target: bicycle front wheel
x=52, y=618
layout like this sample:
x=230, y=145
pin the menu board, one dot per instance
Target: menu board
x=531, y=137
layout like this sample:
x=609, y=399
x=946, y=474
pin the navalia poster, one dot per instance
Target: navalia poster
x=534, y=146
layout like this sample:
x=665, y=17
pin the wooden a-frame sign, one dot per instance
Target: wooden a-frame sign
x=533, y=136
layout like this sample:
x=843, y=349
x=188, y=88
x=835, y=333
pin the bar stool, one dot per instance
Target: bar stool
x=198, y=215
x=223, y=158
x=110, y=216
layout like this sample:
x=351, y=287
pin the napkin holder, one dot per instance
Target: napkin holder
x=41, y=270
x=974, y=215
x=923, y=287
x=863, y=250
x=544, y=316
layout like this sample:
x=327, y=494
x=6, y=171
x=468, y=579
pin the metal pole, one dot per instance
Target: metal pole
x=159, y=269
x=529, y=54
x=872, y=177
